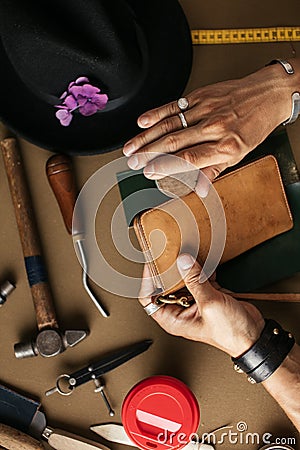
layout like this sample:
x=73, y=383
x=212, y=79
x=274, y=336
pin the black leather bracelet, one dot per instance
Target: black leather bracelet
x=266, y=355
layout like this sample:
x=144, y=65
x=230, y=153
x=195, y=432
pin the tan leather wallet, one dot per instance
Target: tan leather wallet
x=255, y=207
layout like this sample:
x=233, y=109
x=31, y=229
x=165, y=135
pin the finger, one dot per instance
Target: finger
x=191, y=158
x=169, y=124
x=153, y=116
x=190, y=270
x=147, y=286
x=166, y=126
x=186, y=140
x=205, y=178
x=166, y=315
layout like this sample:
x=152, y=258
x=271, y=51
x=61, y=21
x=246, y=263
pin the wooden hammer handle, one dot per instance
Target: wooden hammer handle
x=36, y=272
x=12, y=439
x=62, y=181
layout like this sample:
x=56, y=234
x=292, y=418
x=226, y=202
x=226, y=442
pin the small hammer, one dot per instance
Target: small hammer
x=50, y=341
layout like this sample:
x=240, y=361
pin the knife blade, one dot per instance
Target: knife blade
x=114, y=432
x=24, y=414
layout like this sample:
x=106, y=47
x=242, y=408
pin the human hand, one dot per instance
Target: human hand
x=215, y=318
x=225, y=122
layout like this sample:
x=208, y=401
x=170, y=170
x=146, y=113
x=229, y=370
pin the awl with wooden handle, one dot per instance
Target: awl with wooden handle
x=62, y=181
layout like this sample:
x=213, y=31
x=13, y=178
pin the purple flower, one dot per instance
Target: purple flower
x=64, y=116
x=80, y=96
x=88, y=98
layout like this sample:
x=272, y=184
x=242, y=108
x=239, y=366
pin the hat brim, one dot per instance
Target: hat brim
x=170, y=59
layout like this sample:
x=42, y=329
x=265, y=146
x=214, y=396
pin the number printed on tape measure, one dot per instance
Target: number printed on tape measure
x=245, y=35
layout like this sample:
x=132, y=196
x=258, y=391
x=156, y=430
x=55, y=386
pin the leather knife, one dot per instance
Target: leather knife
x=116, y=433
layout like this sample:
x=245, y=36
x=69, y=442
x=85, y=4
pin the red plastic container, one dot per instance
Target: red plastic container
x=160, y=413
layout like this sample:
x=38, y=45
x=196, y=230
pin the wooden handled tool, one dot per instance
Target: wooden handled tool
x=12, y=439
x=50, y=341
x=62, y=181
x=41, y=295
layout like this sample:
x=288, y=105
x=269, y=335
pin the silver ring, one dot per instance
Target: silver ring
x=183, y=120
x=151, y=308
x=183, y=103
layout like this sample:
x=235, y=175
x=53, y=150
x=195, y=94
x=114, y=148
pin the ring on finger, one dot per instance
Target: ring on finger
x=183, y=103
x=183, y=120
x=151, y=308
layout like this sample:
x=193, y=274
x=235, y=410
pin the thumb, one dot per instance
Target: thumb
x=206, y=176
x=190, y=270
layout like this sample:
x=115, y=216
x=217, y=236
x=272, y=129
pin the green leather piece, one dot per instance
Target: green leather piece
x=270, y=261
x=132, y=182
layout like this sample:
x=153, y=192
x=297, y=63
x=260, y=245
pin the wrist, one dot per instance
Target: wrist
x=246, y=341
x=285, y=76
x=252, y=325
x=267, y=354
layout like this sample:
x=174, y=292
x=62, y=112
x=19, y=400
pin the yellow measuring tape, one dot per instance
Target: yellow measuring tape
x=245, y=35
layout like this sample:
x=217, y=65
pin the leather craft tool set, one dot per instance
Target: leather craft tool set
x=140, y=414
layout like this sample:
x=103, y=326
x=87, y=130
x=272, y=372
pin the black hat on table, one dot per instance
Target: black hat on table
x=75, y=75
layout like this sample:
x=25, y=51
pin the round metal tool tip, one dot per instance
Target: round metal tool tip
x=6, y=289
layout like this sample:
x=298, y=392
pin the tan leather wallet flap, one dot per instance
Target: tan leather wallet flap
x=255, y=207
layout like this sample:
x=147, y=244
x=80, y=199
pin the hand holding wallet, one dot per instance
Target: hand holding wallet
x=255, y=207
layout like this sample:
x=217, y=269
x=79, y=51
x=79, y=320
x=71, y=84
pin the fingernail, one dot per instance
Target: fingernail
x=185, y=262
x=149, y=171
x=203, y=185
x=133, y=162
x=143, y=121
x=202, y=190
x=129, y=148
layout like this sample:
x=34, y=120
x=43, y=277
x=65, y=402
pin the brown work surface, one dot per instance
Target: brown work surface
x=224, y=396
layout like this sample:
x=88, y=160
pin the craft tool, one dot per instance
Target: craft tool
x=30, y=426
x=245, y=35
x=50, y=340
x=114, y=432
x=5, y=290
x=62, y=181
x=65, y=384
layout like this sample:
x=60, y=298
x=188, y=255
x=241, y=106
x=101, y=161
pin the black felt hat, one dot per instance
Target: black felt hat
x=137, y=52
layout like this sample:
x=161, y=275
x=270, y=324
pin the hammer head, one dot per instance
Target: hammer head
x=49, y=342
